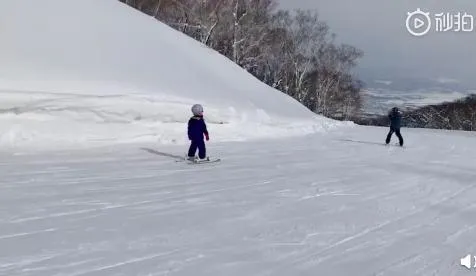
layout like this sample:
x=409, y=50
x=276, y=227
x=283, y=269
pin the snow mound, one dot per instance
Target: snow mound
x=121, y=76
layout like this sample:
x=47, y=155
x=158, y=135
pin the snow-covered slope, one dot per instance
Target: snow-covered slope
x=341, y=204
x=89, y=71
x=97, y=71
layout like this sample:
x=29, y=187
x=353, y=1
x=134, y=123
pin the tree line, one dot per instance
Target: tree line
x=456, y=115
x=292, y=51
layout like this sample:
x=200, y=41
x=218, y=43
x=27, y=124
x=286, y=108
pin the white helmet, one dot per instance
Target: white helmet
x=197, y=109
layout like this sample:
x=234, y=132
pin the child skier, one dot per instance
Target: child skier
x=197, y=129
x=395, y=117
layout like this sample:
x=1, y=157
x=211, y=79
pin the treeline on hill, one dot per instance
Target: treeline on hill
x=293, y=52
x=456, y=115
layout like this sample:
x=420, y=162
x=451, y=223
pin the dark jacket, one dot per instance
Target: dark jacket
x=395, y=117
x=197, y=128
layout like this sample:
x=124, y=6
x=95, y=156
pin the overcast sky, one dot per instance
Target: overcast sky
x=378, y=28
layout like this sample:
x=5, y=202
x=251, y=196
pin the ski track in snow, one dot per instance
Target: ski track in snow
x=315, y=205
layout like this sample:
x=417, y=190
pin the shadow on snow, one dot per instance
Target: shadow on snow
x=153, y=151
x=362, y=142
x=369, y=142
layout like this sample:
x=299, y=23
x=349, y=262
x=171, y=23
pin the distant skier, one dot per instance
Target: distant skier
x=197, y=129
x=395, y=116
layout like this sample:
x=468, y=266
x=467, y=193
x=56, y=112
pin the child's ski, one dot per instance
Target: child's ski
x=395, y=145
x=197, y=160
x=208, y=160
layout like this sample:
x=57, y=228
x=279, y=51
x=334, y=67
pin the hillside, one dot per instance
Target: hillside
x=107, y=73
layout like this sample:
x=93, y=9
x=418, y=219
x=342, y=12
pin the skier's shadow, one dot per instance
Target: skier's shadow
x=361, y=142
x=153, y=151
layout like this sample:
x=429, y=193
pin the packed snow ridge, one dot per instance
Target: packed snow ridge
x=121, y=76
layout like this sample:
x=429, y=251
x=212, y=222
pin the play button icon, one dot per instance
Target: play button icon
x=418, y=22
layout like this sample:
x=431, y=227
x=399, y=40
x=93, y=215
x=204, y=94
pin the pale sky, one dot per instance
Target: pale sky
x=378, y=28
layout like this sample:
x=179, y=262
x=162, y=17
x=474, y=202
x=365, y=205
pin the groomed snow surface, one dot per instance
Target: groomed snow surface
x=335, y=204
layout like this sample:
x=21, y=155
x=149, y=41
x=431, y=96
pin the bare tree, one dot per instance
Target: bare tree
x=319, y=70
x=335, y=87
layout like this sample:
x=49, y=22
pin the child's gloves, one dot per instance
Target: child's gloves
x=206, y=137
